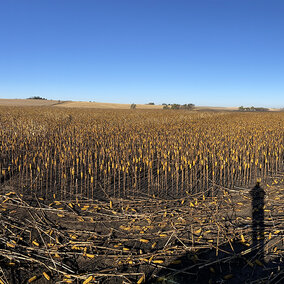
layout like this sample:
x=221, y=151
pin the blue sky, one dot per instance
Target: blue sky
x=211, y=52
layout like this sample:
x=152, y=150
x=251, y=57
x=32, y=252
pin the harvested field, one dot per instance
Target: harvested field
x=71, y=104
x=191, y=239
x=27, y=103
x=140, y=196
x=101, y=105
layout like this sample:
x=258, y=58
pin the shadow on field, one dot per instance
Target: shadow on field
x=227, y=267
x=257, y=207
x=233, y=262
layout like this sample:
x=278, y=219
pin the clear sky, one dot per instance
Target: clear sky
x=206, y=52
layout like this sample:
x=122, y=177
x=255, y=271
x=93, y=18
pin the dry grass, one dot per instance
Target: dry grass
x=72, y=104
x=97, y=105
x=19, y=102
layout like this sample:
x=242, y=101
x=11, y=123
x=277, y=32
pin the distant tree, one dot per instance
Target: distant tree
x=178, y=106
x=151, y=104
x=175, y=106
x=250, y=109
x=187, y=106
x=261, y=109
x=36, y=98
x=133, y=106
x=163, y=104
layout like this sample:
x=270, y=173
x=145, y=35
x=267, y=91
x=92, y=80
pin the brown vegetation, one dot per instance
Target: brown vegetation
x=72, y=104
x=109, y=196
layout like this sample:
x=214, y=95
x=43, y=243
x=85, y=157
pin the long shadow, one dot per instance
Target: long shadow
x=257, y=207
x=233, y=262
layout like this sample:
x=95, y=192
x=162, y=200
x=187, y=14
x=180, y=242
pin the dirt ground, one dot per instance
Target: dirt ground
x=196, y=239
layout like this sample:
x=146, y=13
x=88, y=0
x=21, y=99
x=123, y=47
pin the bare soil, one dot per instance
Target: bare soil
x=196, y=239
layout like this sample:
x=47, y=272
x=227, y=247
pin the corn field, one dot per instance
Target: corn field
x=124, y=153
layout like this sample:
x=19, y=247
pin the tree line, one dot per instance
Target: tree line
x=252, y=108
